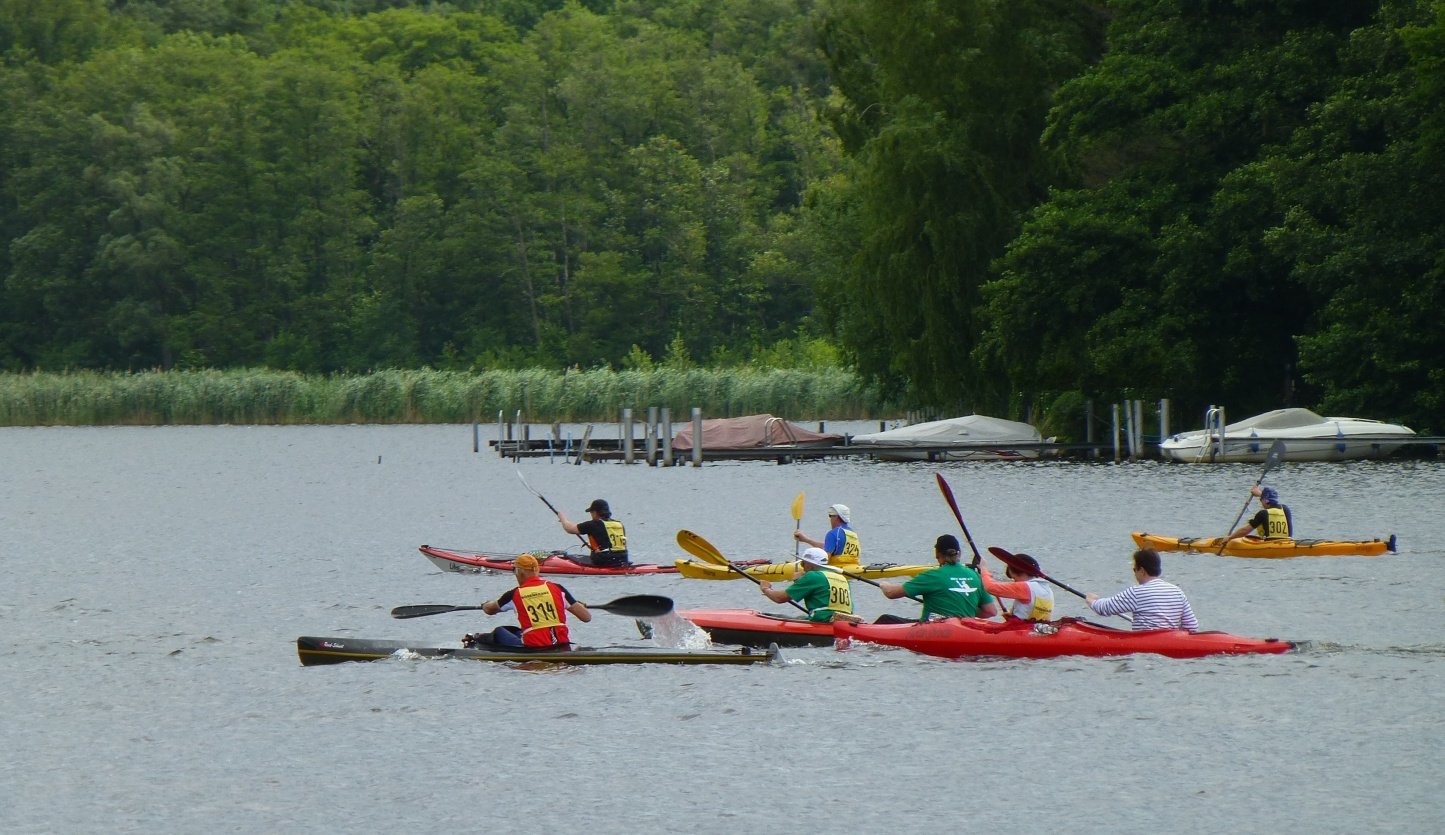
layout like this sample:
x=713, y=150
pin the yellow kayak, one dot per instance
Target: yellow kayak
x=1268, y=548
x=787, y=571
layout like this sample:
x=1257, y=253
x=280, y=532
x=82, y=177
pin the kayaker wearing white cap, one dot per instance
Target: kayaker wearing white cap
x=1273, y=521
x=825, y=594
x=840, y=543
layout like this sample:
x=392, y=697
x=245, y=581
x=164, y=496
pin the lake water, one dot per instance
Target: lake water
x=155, y=581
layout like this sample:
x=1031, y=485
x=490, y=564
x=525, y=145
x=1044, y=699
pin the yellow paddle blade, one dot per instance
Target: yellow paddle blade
x=798, y=508
x=700, y=548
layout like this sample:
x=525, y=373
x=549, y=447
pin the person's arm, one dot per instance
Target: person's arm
x=802, y=537
x=491, y=607
x=1188, y=621
x=567, y=524
x=1017, y=590
x=580, y=611
x=775, y=595
x=1116, y=604
x=892, y=591
x=988, y=609
x=1249, y=527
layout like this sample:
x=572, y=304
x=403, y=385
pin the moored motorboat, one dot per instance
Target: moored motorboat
x=315, y=651
x=554, y=562
x=787, y=571
x=751, y=628
x=1268, y=548
x=1307, y=437
x=968, y=438
x=971, y=638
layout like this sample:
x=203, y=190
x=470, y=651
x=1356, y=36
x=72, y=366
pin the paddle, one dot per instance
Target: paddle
x=863, y=579
x=1019, y=565
x=948, y=494
x=636, y=606
x=797, y=520
x=704, y=550
x=1276, y=452
x=547, y=503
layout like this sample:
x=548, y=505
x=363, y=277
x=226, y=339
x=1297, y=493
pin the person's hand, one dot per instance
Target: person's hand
x=799, y=535
x=765, y=587
x=1090, y=598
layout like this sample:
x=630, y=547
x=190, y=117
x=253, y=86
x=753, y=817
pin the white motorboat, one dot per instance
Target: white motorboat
x=969, y=438
x=1306, y=436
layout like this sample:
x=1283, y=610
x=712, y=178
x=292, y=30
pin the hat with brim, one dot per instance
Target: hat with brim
x=816, y=556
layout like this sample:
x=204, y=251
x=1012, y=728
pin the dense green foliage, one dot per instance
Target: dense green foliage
x=996, y=205
x=264, y=396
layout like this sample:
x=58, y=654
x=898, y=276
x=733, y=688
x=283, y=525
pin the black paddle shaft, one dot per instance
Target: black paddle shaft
x=636, y=606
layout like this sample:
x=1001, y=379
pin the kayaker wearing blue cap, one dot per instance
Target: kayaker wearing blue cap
x=825, y=594
x=605, y=536
x=1273, y=521
x=840, y=543
x=952, y=590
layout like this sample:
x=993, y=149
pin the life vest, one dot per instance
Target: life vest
x=840, y=595
x=616, y=545
x=852, y=550
x=1039, y=606
x=1276, y=524
x=541, y=612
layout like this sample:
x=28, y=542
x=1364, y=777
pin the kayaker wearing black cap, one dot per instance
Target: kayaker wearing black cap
x=840, y=543
x=1033, y=598
x=952, y=590
x=605, y=536
x=1273, y=521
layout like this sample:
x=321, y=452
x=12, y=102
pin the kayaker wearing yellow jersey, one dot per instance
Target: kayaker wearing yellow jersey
x=541, y=606
x=1273, y=521
x=840, y=543
x=605, y=536
x=825, y=594
x=1032, y=597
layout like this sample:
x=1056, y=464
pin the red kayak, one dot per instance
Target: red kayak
x=555, y=562
x=751, y=628
x=970, y=637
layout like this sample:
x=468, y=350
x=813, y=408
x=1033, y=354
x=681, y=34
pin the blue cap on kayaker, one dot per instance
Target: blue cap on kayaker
x=841, y=511
x=946, y=544
x=1269, y=495
x=526, y=562
x=600, y=507
x=816, y=556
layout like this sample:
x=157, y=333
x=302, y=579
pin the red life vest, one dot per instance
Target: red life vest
x=541, y=612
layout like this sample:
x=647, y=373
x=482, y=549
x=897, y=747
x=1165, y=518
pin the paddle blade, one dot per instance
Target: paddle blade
x=1275, y=455
x=422, y=610
x=798, y=508
x=637, y=606
x=700, y=548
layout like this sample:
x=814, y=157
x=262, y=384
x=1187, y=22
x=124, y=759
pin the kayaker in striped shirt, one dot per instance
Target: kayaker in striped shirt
x=1154, y=603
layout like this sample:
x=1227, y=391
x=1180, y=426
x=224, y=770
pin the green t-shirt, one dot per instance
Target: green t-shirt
x=816, y=594
x=950, y=591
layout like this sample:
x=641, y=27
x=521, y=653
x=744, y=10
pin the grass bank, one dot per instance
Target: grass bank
x=250, y=396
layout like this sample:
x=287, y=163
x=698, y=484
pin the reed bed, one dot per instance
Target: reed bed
x=258, y=396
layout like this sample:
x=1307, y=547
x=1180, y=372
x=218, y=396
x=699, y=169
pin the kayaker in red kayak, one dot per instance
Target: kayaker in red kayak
x=1273, y=521
x=952, y=590
x=825, y=594
x=605, y=536
x=1033, y=598
x=840, y=543
x=541, y=605
x=1154, y=603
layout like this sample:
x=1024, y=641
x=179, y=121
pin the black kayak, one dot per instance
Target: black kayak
x=315, y=651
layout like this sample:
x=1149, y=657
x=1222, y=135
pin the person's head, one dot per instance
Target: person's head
x=1027, y=569
x=1269, y=496
x=1147, y=564
x=813, y=558
x=946, y=550
x=839, y=514
x=599, y=507
x=526, y=566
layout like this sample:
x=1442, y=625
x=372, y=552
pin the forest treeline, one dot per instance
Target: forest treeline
x=1003, y=207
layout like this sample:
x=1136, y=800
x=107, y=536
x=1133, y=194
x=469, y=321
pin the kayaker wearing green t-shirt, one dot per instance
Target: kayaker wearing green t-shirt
x=825, y=594
x=952, y=590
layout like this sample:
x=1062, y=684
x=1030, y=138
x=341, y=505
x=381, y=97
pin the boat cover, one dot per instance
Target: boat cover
x=971, y=430
x=752, y=432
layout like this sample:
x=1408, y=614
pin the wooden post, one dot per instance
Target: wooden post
x=628, y=454
x=696, y=436
x=1163, y=419
x=665, y=430
x=1089, y=427
x=1137, y=453
x=582, y=450
x=476, y=436
x=1115, y=409
x=651, y=440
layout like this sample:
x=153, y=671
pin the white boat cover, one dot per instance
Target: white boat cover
x=752, y=432
x=969, y=431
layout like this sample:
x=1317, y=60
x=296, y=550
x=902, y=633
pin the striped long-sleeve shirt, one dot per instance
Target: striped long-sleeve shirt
x=1155, y=604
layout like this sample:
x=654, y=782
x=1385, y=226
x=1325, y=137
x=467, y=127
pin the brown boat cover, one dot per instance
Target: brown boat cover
x=752, y=432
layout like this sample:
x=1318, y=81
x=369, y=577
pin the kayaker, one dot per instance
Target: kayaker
x=1273, y=521
x=952, y=590
x=825, y=594
x=1033, y=598
x=605, y=536
x=840, y=543
x=541, y=605
x=1155, y=604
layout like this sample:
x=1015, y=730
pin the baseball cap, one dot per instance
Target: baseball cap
x=945, y=543
x=841, y=511
x=816, y=556
x=600, y=506
x=1269, y=494
x=526, y=561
